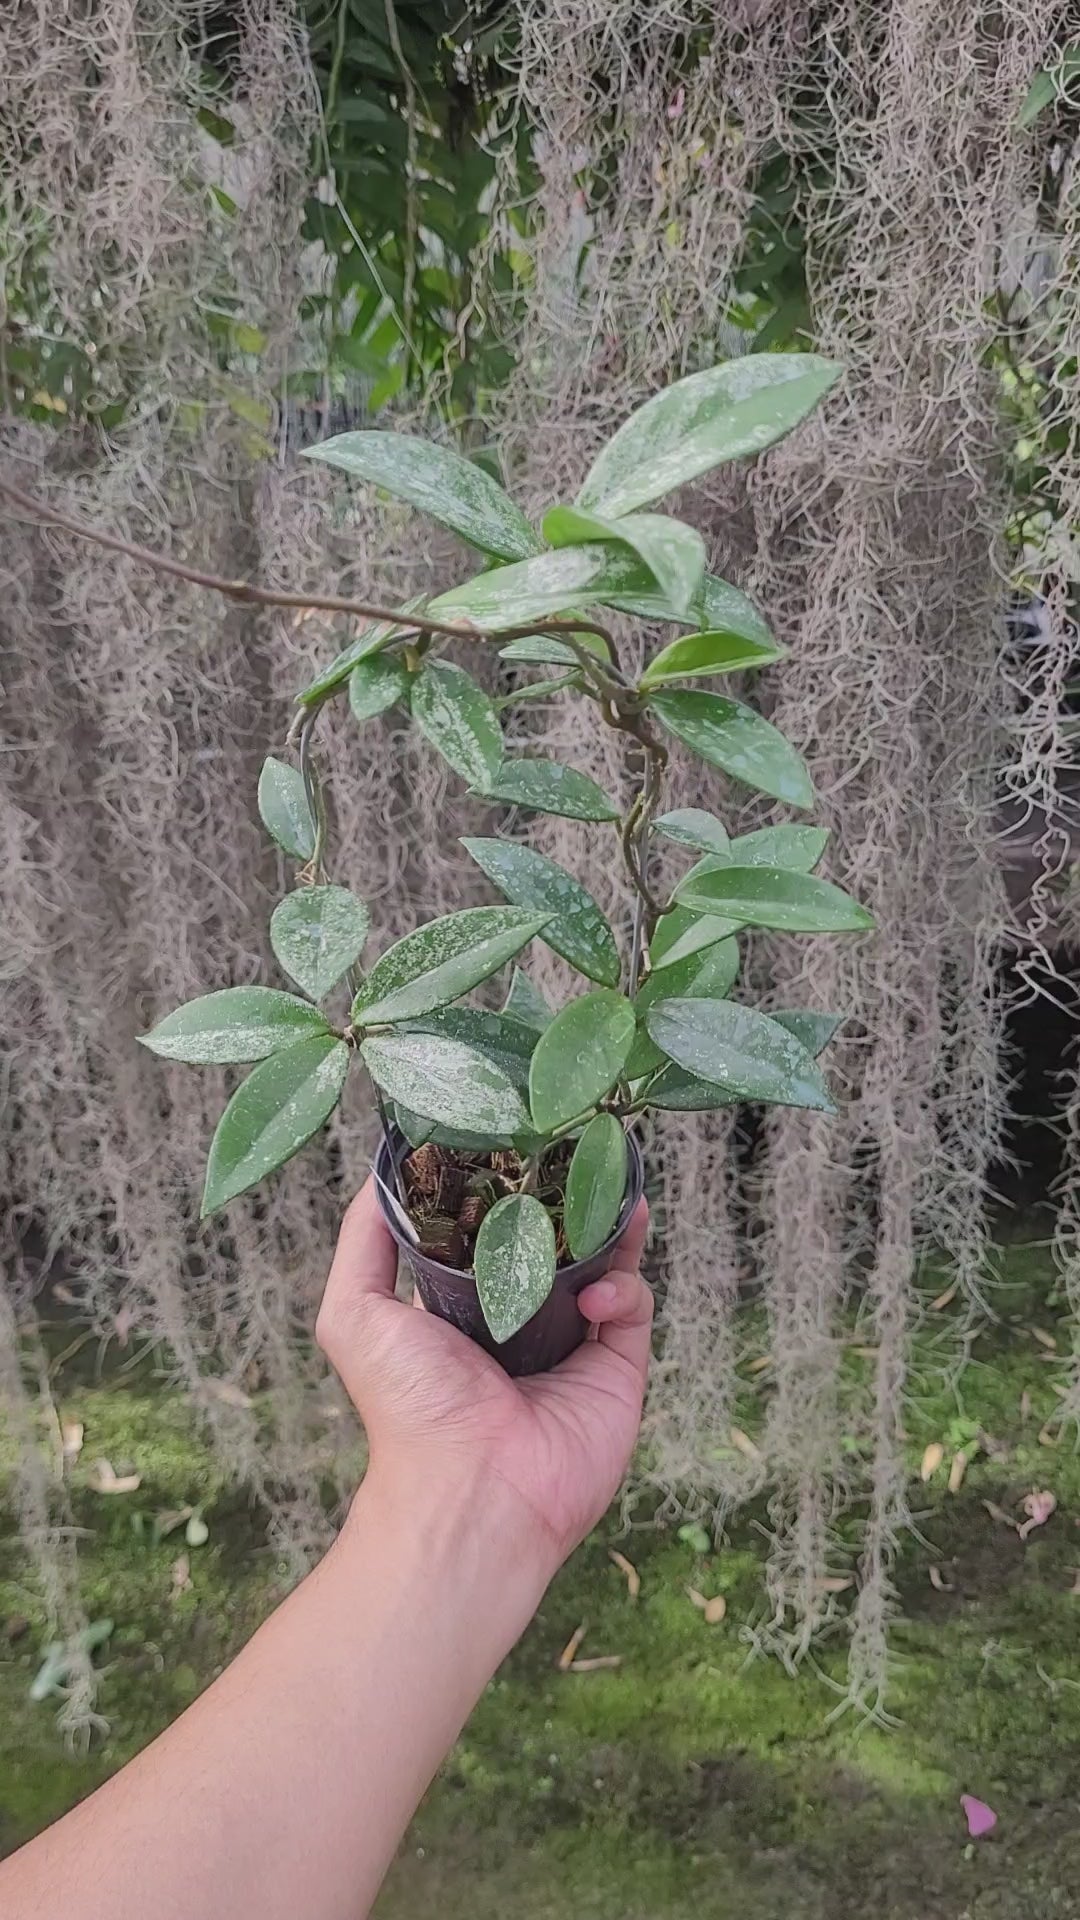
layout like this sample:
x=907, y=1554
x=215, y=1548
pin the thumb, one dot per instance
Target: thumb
x=364, y=1266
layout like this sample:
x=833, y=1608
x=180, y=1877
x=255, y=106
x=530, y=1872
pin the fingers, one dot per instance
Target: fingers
x=365, y=1262
x=620, y=1305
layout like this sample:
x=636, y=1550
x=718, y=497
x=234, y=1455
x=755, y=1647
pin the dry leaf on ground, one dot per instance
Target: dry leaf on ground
x=938, y=1582
x=743, y=1443
x=1045, y=1339
x=566, y=1657
x=1025, y=1405
x=626, y=1567
x=945, y=1299
x=837, y=1582
x=999, y=1515
x=602, y=1663
x=931, y=1460
x=181, y=1574
x=957, y=1471
x=103, y=1478
x=229, y=1394
x=71, y=1435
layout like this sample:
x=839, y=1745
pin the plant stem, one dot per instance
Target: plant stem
x=251, y=594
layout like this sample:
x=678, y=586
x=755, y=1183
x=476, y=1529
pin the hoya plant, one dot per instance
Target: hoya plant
x=509, y=1156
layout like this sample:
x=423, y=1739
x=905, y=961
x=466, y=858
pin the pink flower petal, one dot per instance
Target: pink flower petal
x=980, y=1818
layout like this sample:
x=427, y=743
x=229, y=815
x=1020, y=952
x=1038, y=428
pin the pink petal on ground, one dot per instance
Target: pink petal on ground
x=980, y=1818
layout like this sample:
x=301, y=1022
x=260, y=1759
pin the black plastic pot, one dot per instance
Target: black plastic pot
x=557, y=1328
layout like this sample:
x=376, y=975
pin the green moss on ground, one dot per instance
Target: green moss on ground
x=696, y=1779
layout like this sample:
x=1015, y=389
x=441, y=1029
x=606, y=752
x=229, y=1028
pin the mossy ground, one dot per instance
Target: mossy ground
x=696, y=1779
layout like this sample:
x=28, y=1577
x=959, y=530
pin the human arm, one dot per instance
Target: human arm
x=285, y=1789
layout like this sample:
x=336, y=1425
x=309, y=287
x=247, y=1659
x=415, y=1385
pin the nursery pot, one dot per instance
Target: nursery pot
x=449, y=1292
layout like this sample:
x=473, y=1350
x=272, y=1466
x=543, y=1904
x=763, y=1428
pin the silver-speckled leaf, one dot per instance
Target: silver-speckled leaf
x=552, y=583
x=514, y=1263
x=673, y=552
x=579, y=1057
x=576, y=928
x=774, y=897
x=284, y=809
x=718, y=607
x=441, y=961
x=815, y=1030
x=269, y=1118
x=507, y=1042
x=459, y=720
x=742, y=1051
x=693, y=827
x=234, y=1025
x=548, y=787
x=441, y=483
x=375, y=684
x=445, y=1081
x=317, y=933
x=739, y=407
x=737, y=739
x=797, y=848
x=708, y=974
x=595, y=1186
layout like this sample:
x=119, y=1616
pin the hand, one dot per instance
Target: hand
x=441, y=1414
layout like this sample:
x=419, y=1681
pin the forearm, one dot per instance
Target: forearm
x=285, y=1789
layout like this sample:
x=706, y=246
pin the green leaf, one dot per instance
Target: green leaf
x=459, y=720
x=681, y=933
x=717, y=608
x=734, y=737
x=815, y=1030
x=1048, y=86
x=693, y=827
x=514, y=1263
x=697, y=654
x=576, y=928
x=673, y=552
x=579, y=1057
x=676, y=1091
x=595, y=1186
x=744, y=1052
x=797, y=848
x=708, y=974
x=441, y=961
x=446, y=1081
x=736, y=408
x=284, y=809
x=452, y=490
x=501, y=1039
x=525, y=1003
x=552, y=583
x=317, y=933
x=269, y=1118
x=774, y=897
x=369, y=641
x=375, y=684
x=548, y=787
x=237, y=1024
x=546, y=650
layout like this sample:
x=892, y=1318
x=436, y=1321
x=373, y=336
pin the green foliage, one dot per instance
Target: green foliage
x=273, y=1114
x=470, y=1078
x=440, y=962
x=514, y=1263
x=284, y=809
x=774, y=897
x=546, y=787
x=459, y=720
x=317, y=934
x=738, y=740
x=233, y=1025
x=595, y=1186
x=579, y=1057
x=575, y=926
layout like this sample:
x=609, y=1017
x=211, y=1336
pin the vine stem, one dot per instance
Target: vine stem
x=251, y=594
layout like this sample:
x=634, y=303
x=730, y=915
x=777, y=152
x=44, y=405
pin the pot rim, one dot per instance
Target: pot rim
x=393, y=1143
